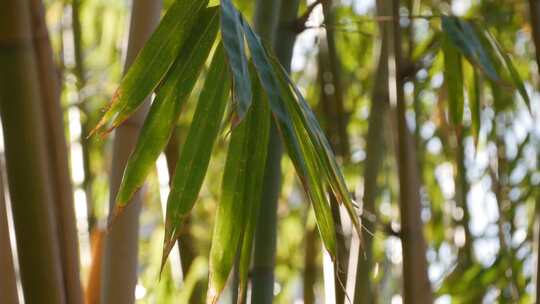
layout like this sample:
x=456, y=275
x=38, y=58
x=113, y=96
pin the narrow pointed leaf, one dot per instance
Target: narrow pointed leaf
x=474, y=104
x=153, y=62
x=231, y=213
x=299, y=143
x=463, y=35
x=512, y=71
x=258, y=136
x=453, y=78
x=196, y=151
x=233, y=40
x=167, y=105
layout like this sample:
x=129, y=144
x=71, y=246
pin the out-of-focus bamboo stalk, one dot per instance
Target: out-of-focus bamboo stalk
x=333, y=88
x=119, y=270
x=57, y=154
x=26, y=158
x=8, y=279
x=374, y=155
x=92, y=291
x=416, y=284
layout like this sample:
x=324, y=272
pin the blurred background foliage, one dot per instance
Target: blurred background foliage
x=479, y=250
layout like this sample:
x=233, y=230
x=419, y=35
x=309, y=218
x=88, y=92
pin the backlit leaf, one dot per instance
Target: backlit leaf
x=231, y=213
x=196, y=151
x=463, y=35
x=152, y=63
x=233, y=40
x=453, y=77
x=167, y=105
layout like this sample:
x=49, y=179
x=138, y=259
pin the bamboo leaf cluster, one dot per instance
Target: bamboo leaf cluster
x=259, y=88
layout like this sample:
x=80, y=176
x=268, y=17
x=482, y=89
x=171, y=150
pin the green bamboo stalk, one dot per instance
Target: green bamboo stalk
x=339, y=137
x=416, y=284
x=26, y=160
x=264, y=247
x=279, y=31
x=374, y=155
x=121, y=244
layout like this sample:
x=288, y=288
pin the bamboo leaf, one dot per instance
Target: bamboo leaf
x=153, y=62
x=462, y=34
x=196, y=151
x=166, y=108
x=303, y=137
x=231, y=213
x=453, y=77
x=233, y=41
x=474, y=104
x=258, y=136
x=512, y=71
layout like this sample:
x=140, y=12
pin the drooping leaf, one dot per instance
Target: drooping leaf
x=233, y=40
x=168, y=103
x=153, y=62
x=297, y=141
x=231, y=213
x=463, y=35
x=196, y=151
x=512, y=71
x=453, y=77
x=258, y=136
x=474, y=104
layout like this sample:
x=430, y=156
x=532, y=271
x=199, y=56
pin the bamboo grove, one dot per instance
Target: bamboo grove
x=269, y=151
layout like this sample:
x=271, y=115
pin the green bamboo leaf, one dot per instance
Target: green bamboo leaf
x=167, y=105
x=233, y=41
x=153, y=62
x=453, y=77
x=464, y=37
x=231, y=213
x=258, y=136
x=512, y=71
x=196, y=151
x=241, y=194
x=474, y=104
x=299, y=143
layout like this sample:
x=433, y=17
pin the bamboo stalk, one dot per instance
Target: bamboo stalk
x=416, y=284
x=264, y=246
x=8, y=279
x=283, y=39
x=57, y=155
x=374, y=155
x=121, y=244
x=338, y=116
x=26, y=159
